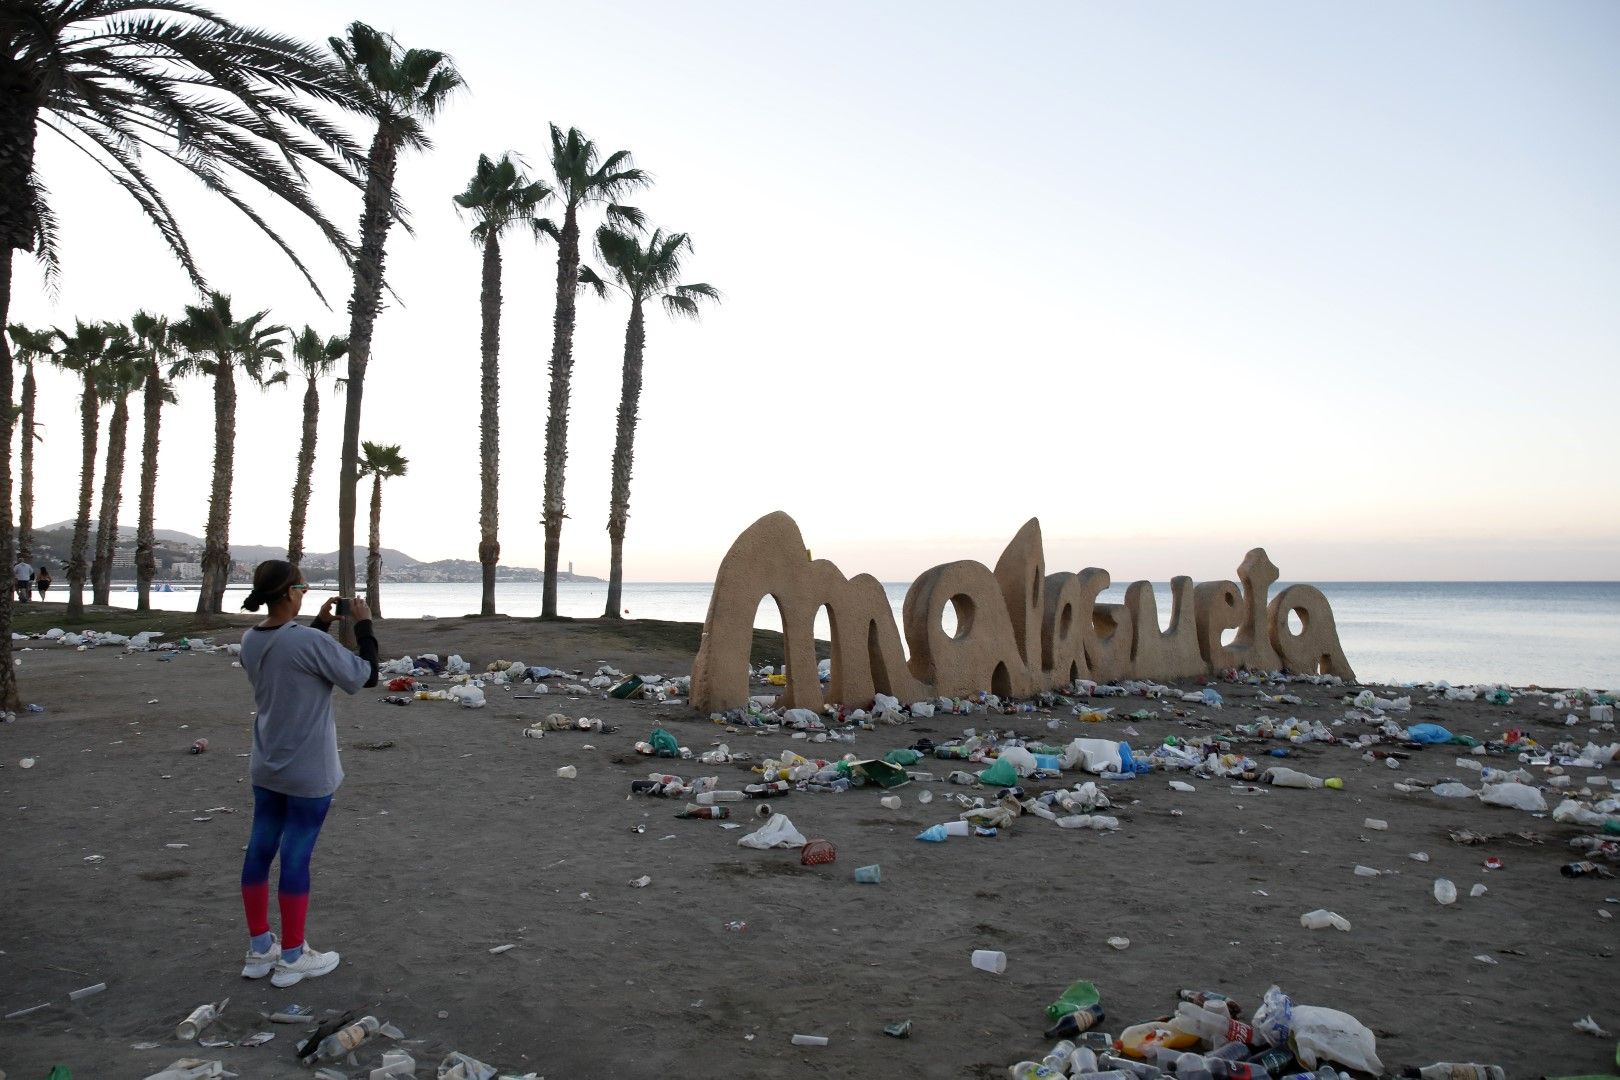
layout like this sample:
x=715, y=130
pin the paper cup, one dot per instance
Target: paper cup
x=869, y=875
x=989, y=960
x=957, y=828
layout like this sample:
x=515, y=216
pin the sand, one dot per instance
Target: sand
x=460, y=837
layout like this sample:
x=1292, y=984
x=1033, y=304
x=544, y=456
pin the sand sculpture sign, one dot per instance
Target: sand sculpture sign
x=1019, y=630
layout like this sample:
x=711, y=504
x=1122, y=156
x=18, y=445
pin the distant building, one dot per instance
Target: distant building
x=186, y=571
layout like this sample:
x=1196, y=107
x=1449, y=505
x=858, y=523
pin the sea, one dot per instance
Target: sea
x=1551, y=634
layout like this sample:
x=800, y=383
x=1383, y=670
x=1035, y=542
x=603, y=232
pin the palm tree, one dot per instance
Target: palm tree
x=647, y=273
x=217, y=344
x=121, y=376
x=154, y=340
x=401, y=89
x=581, y=181
x=498, y=197
x=316, y=359
x=380, y=463
x=86, y=352
x=118, y=78
x=29, y=346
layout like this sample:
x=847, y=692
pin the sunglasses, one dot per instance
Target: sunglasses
x=304, y=586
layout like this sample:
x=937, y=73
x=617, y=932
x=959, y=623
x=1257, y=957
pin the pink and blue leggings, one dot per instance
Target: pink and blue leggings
x=291, y=825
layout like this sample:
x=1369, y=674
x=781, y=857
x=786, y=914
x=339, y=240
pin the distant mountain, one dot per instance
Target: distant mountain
x=398, y=565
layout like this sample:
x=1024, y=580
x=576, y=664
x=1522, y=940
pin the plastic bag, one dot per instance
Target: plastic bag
x=1274, y=1019
x=1020, y=759
x=1094, y=755
x=1000, y=774
x=1321, y=1034
x=777, y=831
x=469, y=697
x=1514, y=795
x=1453, y=790
x=1428, y=734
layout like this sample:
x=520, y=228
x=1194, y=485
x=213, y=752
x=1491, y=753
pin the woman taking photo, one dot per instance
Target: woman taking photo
x=294, y=764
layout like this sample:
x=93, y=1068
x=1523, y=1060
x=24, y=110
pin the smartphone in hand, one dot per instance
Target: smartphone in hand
x=343, y=607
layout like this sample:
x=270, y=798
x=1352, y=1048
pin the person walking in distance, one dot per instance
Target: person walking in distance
x=42, y=580
x=23, y=580
x=294, y=766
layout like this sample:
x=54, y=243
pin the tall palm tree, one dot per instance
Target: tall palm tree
x=498, y=197
x=154, y=340
x=401, y=89
x=121, y=376
x=647, y=273
x=30, y=347
x=217, y=344
x=316, y=359
x=86, y=352
x=582, y=180
x=380, y=463
x=117, y=78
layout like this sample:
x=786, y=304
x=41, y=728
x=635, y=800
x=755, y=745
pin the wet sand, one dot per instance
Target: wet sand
x=460, y=837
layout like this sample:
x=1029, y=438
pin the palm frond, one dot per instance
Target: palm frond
x=627, y=215
x=589, y=279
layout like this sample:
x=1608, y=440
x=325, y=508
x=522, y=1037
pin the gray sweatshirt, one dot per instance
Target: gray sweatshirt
x=293, y=669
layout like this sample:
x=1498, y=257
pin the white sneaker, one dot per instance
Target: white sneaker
x=310, y=964
x=258, y=965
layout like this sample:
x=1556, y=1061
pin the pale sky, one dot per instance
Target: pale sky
x=1340, y=280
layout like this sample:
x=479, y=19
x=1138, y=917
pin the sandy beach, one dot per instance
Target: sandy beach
x=454, y=835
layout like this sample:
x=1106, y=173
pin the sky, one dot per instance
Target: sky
x=1179, y=280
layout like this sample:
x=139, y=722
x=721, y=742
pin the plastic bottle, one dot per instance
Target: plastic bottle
x=1190, y=1066
x=1273, y=1060
x=1032, y=1070
x=1058, y=1059
x=343, y=1040
x=712, y=798
x=1452, y=1070
x=1083, y=1060
x=1141, y=1070
x=1141, y=1040
x=200, y=1017
x=1278, y=776
x=1444, y=891
x=694, y=810
x=1214, y=1026
x=1582, y=869
x=1210, y=998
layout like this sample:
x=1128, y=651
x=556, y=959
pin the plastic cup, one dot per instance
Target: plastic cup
x=869, y=875
x=957, y=828
x=890, y=802
x=990, y=960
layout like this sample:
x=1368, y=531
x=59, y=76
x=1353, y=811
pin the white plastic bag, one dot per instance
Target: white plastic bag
x=1453, y=790
x=1330, y=1035
x=1515, y=796
x=455, y=665
x=1020, y=759
x=922, y=708
x=777, y=831
x=1094, y=755
x=467, y=696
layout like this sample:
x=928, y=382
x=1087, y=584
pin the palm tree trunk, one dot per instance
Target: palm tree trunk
x=562, y=371
x=112, y=490
x=145, y=538
x=306, y=468
x=635, y=343
x=216, y=560
x=364, y=304
x=374, y=553
x=9, y=700
x=89, y=406
x=489, y=434
x=19, y=114
x=25, y=499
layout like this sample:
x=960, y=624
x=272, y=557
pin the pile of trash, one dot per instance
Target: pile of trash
x=336, y=1041
x=409, y=674
x=145, y=641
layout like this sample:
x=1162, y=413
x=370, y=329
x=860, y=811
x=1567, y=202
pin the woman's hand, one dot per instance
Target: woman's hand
x=326, y=614
x=359, y=610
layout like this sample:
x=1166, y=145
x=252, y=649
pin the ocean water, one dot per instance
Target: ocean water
x=1555, y=634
